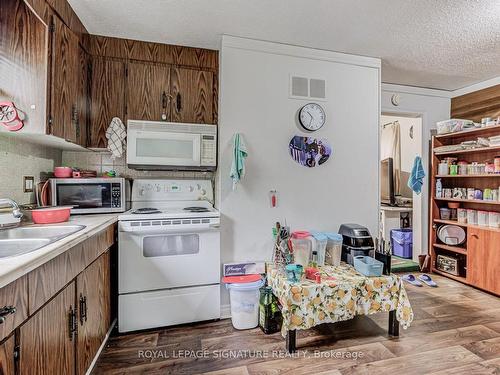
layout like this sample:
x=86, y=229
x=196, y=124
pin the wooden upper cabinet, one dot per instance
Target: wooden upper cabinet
x=23, y=62
x=94, y=318
x=107, y=98
x=64, y=79
x=46, y=343
x=192, y=96
x=483, y=259
x=148, y=91
x=82, y=103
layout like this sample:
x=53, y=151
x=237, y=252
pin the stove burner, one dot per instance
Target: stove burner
x=146, y=210
x=196, y=209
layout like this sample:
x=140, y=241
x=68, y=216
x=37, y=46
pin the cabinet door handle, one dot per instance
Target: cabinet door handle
x=178, y=102
x=164, y=100
x=474, y=236
x=71, y=323
x=83, y=309
x=6, y=310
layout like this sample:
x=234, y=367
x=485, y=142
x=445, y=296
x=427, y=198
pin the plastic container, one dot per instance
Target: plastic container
x=63, y=172
x=445, y=213
x=471, y=216
x=333, y=250
x=368, y=266
x=294, y=272
x=320, y=241
x=51, y=215
x=244, y=300
x=302, y=247
x=402, y=243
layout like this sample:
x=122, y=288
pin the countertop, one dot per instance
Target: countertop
x=14, y=267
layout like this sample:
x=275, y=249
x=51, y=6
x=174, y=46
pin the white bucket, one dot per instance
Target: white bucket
x=244, y=299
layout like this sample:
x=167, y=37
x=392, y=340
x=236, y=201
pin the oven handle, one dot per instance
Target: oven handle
x=158, y=229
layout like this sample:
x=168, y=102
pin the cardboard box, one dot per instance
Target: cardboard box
x=243, y=268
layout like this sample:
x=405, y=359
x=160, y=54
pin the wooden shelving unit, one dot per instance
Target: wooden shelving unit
x=476, y=201
x=478, y=150
x=479, y=256
x=468, y=175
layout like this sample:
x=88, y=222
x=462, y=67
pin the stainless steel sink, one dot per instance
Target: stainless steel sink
x=23, y=240
x=10, y=248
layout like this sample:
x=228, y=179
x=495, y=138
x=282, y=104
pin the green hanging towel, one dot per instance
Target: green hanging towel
x=238, y=164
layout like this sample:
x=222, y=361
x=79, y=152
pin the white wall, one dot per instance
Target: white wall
x=432, y=106
x=254, y=101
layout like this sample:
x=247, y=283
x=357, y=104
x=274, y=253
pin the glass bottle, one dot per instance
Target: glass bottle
x=269, y=313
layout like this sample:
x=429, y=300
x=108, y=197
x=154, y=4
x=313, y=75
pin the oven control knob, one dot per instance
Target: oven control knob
x=198, y=186
x=149, y=186
x=158, y=188
x=191, y=189
x=203, y=191
x=141, y=192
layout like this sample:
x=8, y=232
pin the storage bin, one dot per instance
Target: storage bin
x=368, y=266
x=244, y=300
x=333, y=250
x=402, y=242
x=320, y=241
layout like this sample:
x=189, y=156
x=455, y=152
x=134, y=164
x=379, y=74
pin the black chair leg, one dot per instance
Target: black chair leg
x=291, y=341
x=393, y=324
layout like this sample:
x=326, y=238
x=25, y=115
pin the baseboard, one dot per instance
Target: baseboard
x=94, y=361
x=225, y=311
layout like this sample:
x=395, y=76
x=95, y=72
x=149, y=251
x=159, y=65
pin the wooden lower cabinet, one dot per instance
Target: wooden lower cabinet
x=483, y=259
x=7, y=365
x=94, y=317
x=46, y=344
x=64, y=335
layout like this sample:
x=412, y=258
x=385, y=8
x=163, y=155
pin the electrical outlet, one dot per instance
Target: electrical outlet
x=28, y=184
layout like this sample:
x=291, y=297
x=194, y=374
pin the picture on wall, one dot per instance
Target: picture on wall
x=308, y=151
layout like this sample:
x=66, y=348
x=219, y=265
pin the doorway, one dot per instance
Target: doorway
x=400, y=208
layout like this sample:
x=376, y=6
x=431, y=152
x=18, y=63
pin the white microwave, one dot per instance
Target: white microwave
x=155, y=145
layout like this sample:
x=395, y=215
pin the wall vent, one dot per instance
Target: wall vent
x=307, y=88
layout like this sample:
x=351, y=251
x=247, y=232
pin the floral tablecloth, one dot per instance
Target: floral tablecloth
x=342, y=294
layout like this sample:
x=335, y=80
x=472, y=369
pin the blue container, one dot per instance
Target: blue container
x=368, y=266
x=402, y=243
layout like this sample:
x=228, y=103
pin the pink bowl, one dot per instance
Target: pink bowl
x=63, y=172
x=51, y=215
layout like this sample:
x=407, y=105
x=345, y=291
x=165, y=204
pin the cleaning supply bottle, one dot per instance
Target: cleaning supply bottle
x=439, y=188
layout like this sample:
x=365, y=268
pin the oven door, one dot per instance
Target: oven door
x=163, y=258
x=163, y=149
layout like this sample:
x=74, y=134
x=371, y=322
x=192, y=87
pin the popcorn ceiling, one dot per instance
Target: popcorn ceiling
x=443, y=44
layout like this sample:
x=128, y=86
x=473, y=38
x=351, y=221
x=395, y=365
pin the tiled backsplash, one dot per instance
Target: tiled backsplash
x=102, y=162
x=19, y=158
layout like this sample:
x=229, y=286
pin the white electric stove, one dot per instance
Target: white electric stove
x=169, y=255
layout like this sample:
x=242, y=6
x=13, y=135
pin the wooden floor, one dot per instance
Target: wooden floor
x=456, y=331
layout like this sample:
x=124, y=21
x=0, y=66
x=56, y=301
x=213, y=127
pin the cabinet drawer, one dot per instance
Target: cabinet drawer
x=14, y=294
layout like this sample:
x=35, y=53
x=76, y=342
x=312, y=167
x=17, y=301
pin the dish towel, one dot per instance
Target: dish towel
x=116, y=135
x=238, y=164
x=416, y=179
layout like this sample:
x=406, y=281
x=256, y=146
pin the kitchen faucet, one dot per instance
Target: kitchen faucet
x=16, y=212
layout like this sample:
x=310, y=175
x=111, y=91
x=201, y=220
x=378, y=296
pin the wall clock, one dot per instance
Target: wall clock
x=312, y=117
